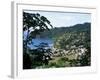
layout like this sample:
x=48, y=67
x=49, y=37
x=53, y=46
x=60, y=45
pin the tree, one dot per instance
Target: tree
x=33, y=24
x=85, y=60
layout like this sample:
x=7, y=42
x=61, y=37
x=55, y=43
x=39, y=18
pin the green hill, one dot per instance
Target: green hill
x=57, y=31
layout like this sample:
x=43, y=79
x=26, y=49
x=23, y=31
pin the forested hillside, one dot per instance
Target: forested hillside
x=73, y=44
x=58, y=31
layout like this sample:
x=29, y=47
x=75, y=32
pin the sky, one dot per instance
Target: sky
x=64, y=19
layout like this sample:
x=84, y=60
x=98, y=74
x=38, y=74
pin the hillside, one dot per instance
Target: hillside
x=59, y=31
x=71, y=48
x=72, y=45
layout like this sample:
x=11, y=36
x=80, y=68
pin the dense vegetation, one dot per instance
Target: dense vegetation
x=71, y=45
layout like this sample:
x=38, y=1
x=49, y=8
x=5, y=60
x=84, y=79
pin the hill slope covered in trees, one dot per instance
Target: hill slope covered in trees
x=71, y=47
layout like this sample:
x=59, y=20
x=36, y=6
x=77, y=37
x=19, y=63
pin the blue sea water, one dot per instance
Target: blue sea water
x=37, y=41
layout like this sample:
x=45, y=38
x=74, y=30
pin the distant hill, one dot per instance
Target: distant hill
x=59, y=31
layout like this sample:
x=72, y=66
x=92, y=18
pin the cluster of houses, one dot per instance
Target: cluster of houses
x=78, y=51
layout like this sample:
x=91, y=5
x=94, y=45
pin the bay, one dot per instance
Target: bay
x=41, y=42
